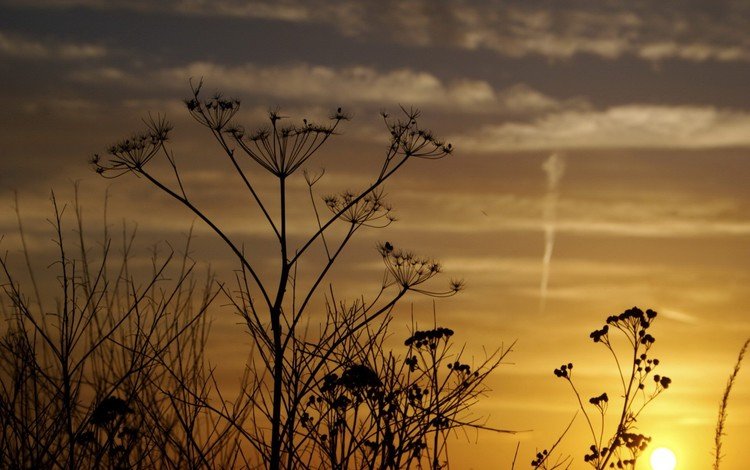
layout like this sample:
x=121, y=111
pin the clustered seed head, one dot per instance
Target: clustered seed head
x=360, y=376
x=368, y=210
x=307, y=421
x=407, y=269
x=415, y=394
x=110, y=409
x=330, y=382
x=634, y=442
x=633, y=313
x=341, y=402
x=215, y=112
x=595, y=453
x=634, y=322
x=457, y=285
x=662, y=381
x=357, y=376
x=440, y=422
x=646, y=338
x=428, y=338
x=644, y=366
x=564, y=371
x=600, y=335
x=283, y=149
x=633, y=318
x=133, y=153
x=540, y=457
x=598, y=401
x=458, y=367
x=465, y=375
x=338, y=115
x=410, y=140
x=416, y=448
x=622, y=463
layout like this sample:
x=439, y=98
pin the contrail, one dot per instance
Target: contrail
x=554, y=167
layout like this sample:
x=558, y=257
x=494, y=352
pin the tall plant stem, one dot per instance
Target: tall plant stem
x=278, y=345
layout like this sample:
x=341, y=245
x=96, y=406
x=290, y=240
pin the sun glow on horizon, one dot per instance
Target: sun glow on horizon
x=663, y=459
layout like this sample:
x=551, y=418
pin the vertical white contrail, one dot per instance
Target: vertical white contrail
x=554, y=167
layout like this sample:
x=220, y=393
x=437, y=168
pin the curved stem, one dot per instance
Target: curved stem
x=245, y=180
x=338, y=215
x=216, y=229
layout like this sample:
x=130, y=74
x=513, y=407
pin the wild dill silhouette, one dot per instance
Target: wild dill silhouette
x=335, y=398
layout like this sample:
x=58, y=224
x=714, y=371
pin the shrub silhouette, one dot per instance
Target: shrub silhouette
x=353, y=388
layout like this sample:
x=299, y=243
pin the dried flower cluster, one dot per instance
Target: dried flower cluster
x=395, y=414
x=407, y=269
x=539, y=458
x=623, y=448
x=408, y=139
x=133, y=153
x=370, y=210
x=429, y=338
x=215, y=112
x=283, y=149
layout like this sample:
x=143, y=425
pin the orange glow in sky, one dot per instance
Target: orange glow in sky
x=602, y=161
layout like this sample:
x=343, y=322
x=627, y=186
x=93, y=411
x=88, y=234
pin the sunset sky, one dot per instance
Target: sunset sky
x=610, y=138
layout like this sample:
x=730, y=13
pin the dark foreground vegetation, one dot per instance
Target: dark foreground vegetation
x=107, y=369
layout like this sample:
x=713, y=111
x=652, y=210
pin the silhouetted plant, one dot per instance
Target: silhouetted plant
x=290, y=364
x=377, y=410
x=640, y=385
x=721, y=420
x=542, y=459
x=94, y=372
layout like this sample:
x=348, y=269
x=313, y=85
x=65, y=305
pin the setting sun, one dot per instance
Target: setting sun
x=663, y=459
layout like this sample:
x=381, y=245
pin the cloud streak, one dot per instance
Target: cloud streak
x=554, y=168
x=627, y=126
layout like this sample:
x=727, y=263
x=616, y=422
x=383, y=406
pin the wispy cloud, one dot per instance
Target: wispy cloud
x=354, y=84
x=679, y=316
x=609, y=32
x=554, y=168
x=350, y=84
x=628, y=126
x=694, y=52
x=14, y=45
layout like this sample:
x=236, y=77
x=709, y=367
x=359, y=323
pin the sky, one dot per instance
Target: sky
x=602, y=152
